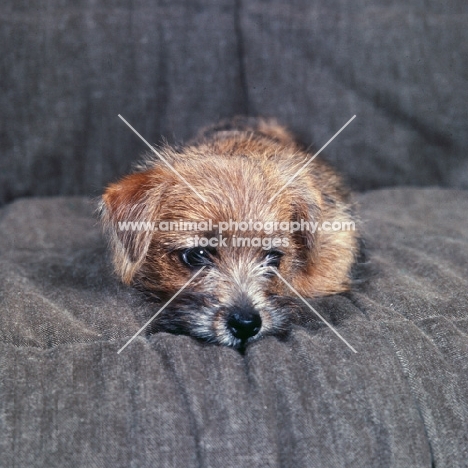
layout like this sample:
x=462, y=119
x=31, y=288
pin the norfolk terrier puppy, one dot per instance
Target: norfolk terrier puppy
x=262, y=228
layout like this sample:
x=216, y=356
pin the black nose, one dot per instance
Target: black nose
x=244, y=323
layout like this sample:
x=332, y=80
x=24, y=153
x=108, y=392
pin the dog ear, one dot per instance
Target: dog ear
x=307, y=214
x=127, y=210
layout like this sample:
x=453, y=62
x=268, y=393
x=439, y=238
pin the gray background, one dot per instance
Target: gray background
x=170, y=67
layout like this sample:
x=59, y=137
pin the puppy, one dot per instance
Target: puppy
x=242, y=188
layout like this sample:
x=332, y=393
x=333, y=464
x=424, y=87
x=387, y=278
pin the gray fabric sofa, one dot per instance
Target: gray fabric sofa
x=68, y=399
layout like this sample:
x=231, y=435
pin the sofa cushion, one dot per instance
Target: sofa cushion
x=68, y=399
x=170, y=67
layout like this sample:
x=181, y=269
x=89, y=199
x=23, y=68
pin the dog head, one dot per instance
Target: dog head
x=231, y=218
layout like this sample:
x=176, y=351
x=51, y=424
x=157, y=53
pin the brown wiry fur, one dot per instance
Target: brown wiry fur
x=236, y=166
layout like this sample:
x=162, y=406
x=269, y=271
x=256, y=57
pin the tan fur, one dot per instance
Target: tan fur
x=237, y=167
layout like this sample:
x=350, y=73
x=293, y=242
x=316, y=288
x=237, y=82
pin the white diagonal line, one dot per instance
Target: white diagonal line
x=160, y=310
x=159, y=155
x=313, y=157
x=313, y=310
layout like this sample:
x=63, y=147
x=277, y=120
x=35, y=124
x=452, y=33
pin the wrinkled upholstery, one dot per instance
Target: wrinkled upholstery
x=68, y=397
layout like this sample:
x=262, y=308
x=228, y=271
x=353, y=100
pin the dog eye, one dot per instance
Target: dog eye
x=196, y=257
x=273, y=259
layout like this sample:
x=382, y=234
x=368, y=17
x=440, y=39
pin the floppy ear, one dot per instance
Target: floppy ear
x=307, y=214
x=126, y=208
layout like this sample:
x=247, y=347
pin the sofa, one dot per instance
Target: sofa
x=67, y=398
